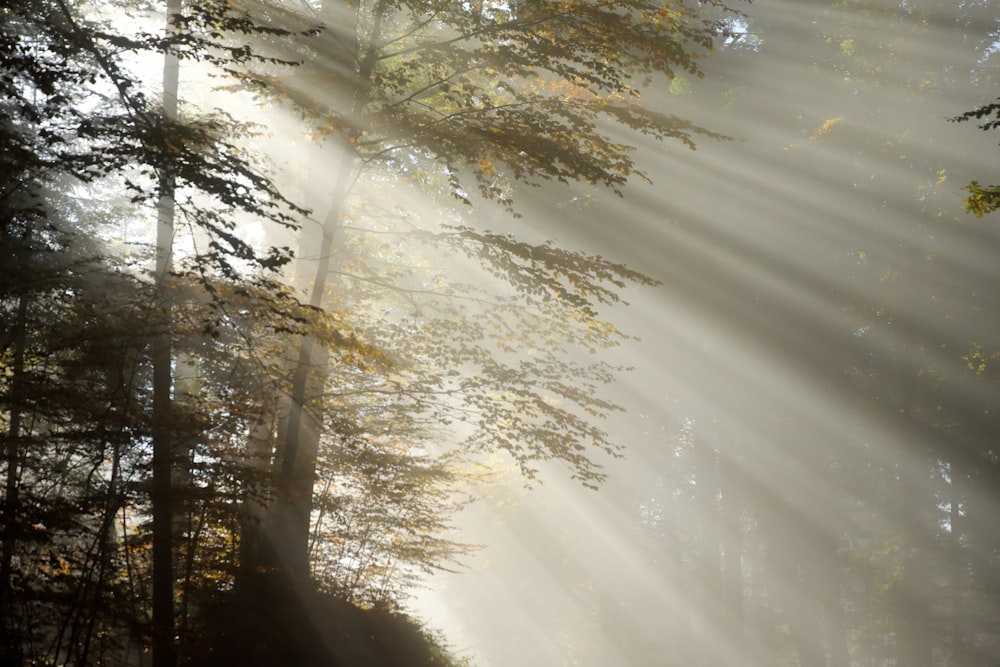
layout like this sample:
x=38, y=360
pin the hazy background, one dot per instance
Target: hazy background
x=814, y=395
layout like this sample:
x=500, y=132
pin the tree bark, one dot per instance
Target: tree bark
x=836, y=626
x=164, y=648
x=12, y=453
x=9, y=649
x=289, y=517
x=910, y=599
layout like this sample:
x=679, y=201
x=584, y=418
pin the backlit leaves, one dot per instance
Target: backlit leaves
x=982, y=199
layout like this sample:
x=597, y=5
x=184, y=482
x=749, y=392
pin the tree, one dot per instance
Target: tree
x=78, y=119
x=162, y=358
x=402, y=375
x=47, y=256
x=478, y=98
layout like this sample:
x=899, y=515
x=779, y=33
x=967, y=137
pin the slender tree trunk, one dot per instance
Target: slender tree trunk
x=803, y=590
x=12, y=453
x=684, y=624
x=164, y=648
x=913, y=641
x=759, y=628
x=106, y=537
x=913, y=645
x=791, y=552
x=253, y=508
x=187, y=507
x=762, y=600
x=836, y=626
x=288, y=536
x=9, y=649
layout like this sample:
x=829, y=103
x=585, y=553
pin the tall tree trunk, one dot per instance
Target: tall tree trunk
x=164, y=649
x=286, y=542
x=12, y=453
x=913, y=641
x=683, y=627
x=106, y=536
x=803, y=590
x=253, y=507
x=288, y=533
x=836, y=625
x=11, y=499
x=188, y=511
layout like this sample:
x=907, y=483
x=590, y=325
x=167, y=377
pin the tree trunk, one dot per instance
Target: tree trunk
x=164, y=649
x=285, y=546
x=836, y=626
x=12, y=453
x=910, y=599
x=253, y=508
x=803, y=591
x=289, y=517
x=9, y=651
x=106, y=540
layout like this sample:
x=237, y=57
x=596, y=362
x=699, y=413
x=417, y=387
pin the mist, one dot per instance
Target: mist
x=808, y=437
x=501, y=334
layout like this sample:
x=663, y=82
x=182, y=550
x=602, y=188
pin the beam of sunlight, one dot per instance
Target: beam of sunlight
x=809, y=470
x=823, y=291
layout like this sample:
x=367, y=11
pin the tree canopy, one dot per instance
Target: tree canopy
x=185, y=424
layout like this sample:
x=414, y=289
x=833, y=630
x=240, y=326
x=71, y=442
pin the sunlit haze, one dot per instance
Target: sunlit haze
x=775, y=444
x=815, y=270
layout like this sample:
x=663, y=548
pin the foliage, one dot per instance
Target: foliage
x=502, y=93
x=853, y=471
x=982, y=199
x=447, y=95
x=419, y=373
x=314, y=630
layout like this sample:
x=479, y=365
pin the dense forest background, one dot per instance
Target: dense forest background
x=408, y=332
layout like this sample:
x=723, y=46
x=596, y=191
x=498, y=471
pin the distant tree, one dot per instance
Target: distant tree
x=875, y=567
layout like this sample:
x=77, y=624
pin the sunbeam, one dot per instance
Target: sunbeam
x=823, y=294
x=661, y=333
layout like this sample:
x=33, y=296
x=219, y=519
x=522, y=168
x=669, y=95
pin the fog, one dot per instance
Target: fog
x=574, y=367
x=823, y=297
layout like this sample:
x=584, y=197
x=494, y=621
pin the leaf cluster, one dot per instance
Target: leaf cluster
x=126, y=137
x=496, y=94
x=982, y=200
x=545, y=271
